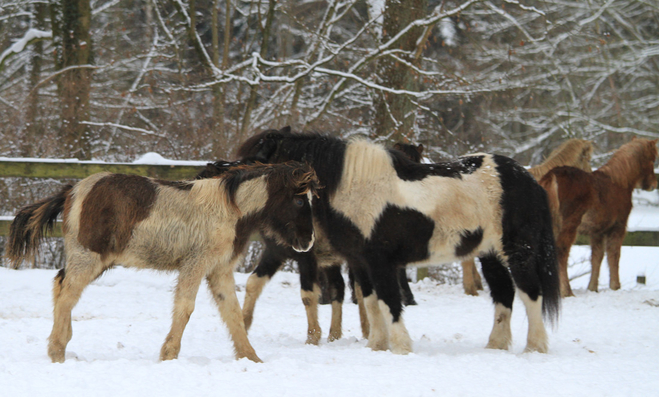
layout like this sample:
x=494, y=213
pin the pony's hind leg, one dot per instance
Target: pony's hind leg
x=613, y=245
x=502, y=291
x=536, y=340
x=525, y=275
x=597, y=242
x=81, y=269
x=184, y=302
x=222, y=285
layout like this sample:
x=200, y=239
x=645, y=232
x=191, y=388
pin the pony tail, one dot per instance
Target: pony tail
x=30, y=226
x=550, y=184
x=546, y=260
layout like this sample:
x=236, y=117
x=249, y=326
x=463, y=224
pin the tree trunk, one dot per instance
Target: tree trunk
x=394, y=114
x=265, y=40
x=74, y=85
x=34, y=128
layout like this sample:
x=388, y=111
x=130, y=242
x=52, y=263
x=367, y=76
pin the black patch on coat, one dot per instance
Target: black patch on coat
x=469, y=240
x=400, y=236
x=408, y=170
x=502, y=289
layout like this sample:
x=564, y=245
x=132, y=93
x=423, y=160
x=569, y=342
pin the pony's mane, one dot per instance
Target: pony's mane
x=573, y=153
x=627, y=161
x=291, y=174
x=294, y=175
x=325, y=153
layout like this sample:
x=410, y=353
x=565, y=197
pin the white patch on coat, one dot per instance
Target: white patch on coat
x=369, y=183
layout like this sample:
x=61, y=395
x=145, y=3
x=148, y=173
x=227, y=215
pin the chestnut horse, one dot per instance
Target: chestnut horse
x=573, y=152
x=198, y=228
x=598, y=205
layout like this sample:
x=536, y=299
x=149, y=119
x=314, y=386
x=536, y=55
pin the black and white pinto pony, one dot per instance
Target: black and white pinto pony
x=322, y=262
x=198, y=228
x=381, y=211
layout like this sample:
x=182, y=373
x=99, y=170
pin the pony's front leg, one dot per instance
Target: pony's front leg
x=469, y=274
x=596, y=256
x=268, y=265
x=222, y=285
x=389, y=299
x=187, y=287
x=310, y=292
x=502, y=291
x=336, y=286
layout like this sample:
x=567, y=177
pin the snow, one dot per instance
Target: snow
x=150, y=158
x=606, y=343
x=20, y=44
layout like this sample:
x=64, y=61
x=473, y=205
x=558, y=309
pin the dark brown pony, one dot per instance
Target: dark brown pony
x=574, y=153
x=198, y=228
x=598, y=205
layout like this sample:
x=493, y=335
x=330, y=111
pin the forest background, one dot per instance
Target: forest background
x=190, y=79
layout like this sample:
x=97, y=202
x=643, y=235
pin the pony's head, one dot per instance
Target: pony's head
x=633, y=164
x=414, y=152
x=287, y=213
x=646, y=158
x=263, y=146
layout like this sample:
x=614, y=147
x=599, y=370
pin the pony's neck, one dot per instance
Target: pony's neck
x=252, y=196
x=624, y=171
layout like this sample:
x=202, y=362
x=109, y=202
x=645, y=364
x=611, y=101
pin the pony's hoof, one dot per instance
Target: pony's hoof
x=378, y=346
x=169, y=353
x=313, y=338
x=405, y=349
x=56, y=354
x=471, y=291
x=530, y=348
x=334, y=336
x=502, y=344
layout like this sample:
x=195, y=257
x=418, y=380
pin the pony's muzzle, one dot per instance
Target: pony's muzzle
x=313, y=239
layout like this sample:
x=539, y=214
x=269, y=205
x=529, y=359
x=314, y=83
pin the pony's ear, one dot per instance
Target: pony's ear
x=285, y=130
x=419, y=148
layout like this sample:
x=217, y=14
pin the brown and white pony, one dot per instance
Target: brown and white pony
x=574, y=153
x=598, y=205
x=198, y=228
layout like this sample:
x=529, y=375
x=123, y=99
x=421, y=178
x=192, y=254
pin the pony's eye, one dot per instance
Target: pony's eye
x=299, y=201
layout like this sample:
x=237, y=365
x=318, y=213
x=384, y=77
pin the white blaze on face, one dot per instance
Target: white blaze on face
x=313, y=234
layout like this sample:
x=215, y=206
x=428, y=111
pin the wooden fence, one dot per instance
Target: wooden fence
x=80, y=169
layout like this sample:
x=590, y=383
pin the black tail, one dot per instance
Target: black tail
x=547, y=268
x=31, y=224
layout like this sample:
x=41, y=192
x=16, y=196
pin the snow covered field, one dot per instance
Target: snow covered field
x=607, y=343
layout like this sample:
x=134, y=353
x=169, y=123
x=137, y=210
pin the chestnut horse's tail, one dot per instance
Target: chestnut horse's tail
x=31, y=224
x=550, y=184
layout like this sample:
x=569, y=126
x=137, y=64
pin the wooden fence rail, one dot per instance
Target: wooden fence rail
x=81, y=169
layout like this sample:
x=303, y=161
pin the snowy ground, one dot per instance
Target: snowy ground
x=606, y=344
